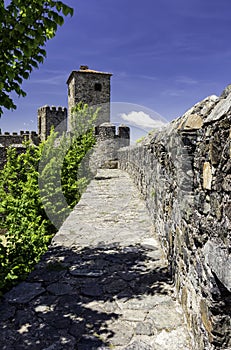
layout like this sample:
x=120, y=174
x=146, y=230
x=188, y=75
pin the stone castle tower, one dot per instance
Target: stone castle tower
x=91, y=87
x=85, y=85
x=51, y=116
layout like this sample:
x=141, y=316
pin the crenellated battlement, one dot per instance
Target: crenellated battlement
x=52, y=109
x=109, y=140
x=7, y=139
x=15, y=139
x=108, y=131
x=20, y=133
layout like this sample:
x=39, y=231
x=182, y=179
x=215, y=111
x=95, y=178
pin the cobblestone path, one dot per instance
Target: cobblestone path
x=103, y=284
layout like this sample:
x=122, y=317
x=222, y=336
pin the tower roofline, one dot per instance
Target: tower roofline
x=86, y=70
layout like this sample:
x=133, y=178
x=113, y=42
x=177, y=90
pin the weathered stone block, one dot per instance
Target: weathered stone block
x=227, y=183
x=218, y=259
x=194, y=121
x=207, y=176
x=206, y=316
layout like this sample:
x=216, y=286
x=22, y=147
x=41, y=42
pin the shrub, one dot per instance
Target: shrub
x=32, y=187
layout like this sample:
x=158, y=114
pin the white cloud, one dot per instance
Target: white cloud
x=54, y=80
x=186, y=80
x=142, y=120
x=173, y=92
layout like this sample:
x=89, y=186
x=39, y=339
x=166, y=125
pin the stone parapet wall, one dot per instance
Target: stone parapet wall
x=184, y=174
x=7, y=139
x=108, y=142
x=15, y=140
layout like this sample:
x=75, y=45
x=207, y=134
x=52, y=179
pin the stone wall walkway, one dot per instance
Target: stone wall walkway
x=103, y=284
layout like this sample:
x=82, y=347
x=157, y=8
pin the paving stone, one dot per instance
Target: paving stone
x=23, y=317
x=145, y=328
x=92, y=289
x=89, y=342
x=150, y=244
x=65, y=343
x=138, y=345
x=144, y=303
x=47, y=275
x=46, y=334
x=134, y=315
x=122, y=334
x=7, y=311
x=174, y=340
x=86, y=273
x=47, y=301
x=59, y=288
x=77, y=329
x=8, y=338
x=24, y=292
x=116, y=286
x=128, y=275
x=70, y=303
x=104, y=287
x=165, y=316
x=56, y=319
x=109, y=306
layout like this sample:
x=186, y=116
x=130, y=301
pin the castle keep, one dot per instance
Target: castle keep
x=90, y=87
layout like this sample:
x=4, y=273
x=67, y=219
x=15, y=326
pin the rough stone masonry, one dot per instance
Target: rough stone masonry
x=184, y=174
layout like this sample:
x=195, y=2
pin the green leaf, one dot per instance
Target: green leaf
x=67, y=10
x=24, y=29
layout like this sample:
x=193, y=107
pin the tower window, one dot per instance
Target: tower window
x=98, y=87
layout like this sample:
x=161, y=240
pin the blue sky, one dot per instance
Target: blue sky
x=165, y=55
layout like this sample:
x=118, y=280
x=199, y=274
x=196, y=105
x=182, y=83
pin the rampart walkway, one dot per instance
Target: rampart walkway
x=103, y=284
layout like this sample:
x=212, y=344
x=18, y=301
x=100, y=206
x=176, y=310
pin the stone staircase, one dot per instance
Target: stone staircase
x=103, y=284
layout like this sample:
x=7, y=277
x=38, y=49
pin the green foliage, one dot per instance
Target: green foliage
x=140, y=139
x=28, y=229
x=63, y=171
x=83, y=118
x=76, y=172
x=50, y=172
x=25, y=27
x=33, y=188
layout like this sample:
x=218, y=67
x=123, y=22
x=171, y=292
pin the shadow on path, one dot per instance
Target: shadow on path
x=74, y=298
